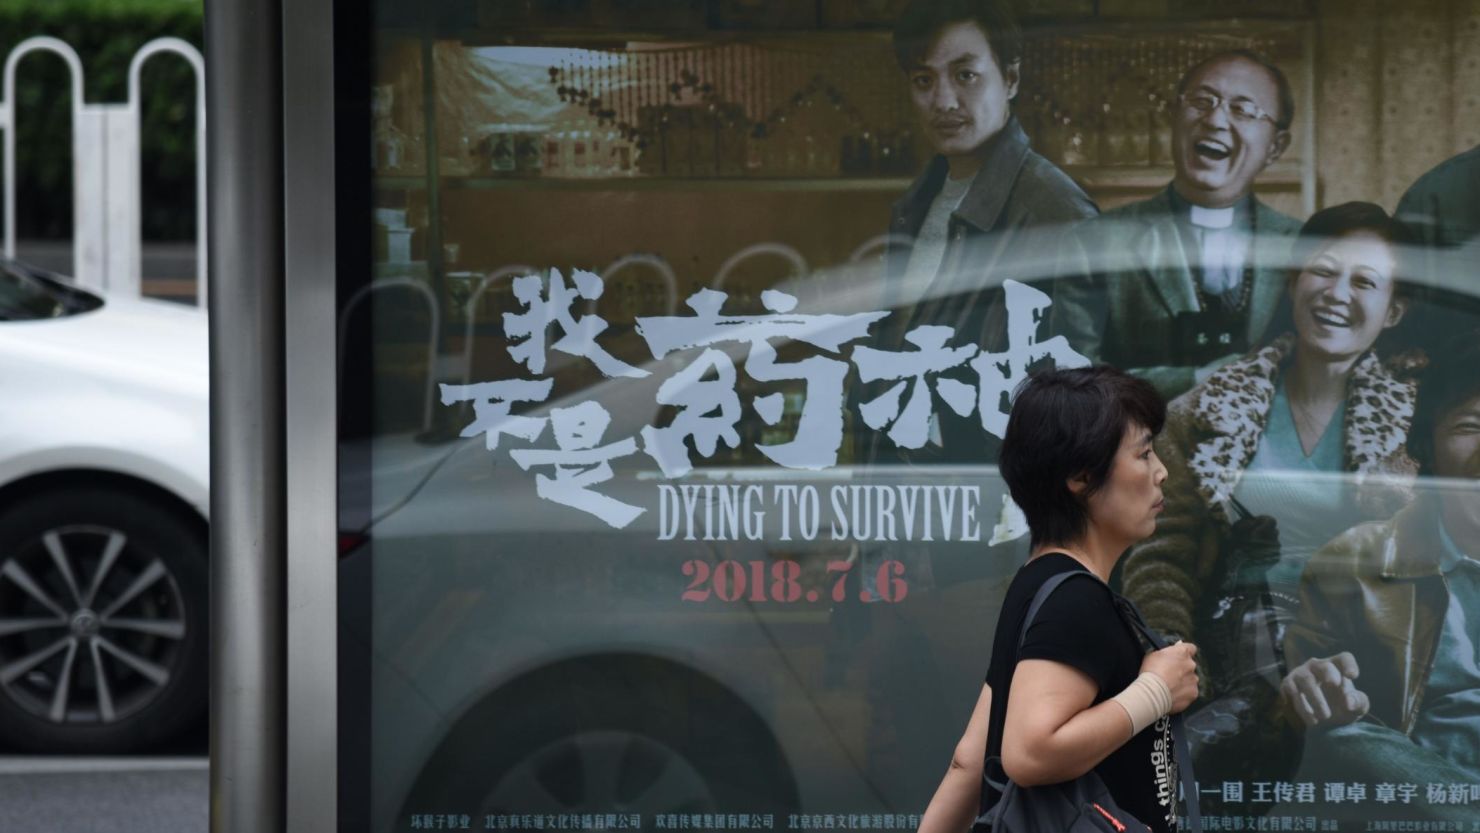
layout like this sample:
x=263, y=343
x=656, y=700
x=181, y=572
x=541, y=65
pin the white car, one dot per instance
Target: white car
x=104, y=494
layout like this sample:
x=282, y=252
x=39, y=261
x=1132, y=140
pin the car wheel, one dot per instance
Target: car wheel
x=103, y=622
x=608, y=735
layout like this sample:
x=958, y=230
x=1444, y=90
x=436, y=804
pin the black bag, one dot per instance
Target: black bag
x=1083, y=805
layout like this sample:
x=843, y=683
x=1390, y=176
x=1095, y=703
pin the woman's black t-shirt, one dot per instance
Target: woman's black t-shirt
x=1080, y=626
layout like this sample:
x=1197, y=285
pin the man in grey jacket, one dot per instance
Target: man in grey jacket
x=986, y=203
x=983, y=204
x=1172, y=287
x=962, y=59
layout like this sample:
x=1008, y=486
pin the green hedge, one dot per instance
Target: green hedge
x=106, y=34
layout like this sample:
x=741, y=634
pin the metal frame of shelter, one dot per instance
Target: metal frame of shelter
x=272, y=168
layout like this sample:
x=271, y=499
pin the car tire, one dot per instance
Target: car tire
x=104, y=628
x=609, y=735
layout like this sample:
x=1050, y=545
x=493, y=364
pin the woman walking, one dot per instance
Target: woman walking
x=1079, y=693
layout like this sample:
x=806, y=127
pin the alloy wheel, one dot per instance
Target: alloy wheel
x=92, y=626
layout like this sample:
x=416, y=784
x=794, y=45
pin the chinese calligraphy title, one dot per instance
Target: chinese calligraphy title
x=704, y=394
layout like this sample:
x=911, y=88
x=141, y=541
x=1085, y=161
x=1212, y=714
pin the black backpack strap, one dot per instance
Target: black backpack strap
x=1044, y=591
x=1179, y=734
x=1042, y=595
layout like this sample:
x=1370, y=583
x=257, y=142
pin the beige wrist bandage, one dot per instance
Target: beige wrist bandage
x=1146, y=700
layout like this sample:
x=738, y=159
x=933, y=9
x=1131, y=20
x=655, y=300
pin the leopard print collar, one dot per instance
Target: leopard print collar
x=1231, y=409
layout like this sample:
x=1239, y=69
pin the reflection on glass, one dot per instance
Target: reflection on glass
x=761, y=644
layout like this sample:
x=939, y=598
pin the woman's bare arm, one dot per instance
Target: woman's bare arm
x=1053, y=734
x=955, y=804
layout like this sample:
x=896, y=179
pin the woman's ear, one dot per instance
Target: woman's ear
x=1078, y=484
x=1396, y=308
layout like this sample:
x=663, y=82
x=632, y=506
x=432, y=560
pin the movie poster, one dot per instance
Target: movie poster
x=693, y=332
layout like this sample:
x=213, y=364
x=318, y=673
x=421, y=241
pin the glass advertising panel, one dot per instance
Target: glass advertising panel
x=673, y=394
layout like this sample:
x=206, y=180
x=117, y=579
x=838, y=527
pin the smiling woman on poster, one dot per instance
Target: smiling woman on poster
x=1074, y=690
x=1262, y=452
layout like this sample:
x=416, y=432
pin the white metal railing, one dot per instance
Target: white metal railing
x=106, y=186
x=470, y=309
x=792, y=257
x=434, y=332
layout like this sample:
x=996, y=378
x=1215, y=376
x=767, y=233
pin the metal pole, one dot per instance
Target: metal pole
x=311, y=163
x=436, y=265
x=248, y=547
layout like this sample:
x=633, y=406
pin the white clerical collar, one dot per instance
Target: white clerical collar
x=1212, y=217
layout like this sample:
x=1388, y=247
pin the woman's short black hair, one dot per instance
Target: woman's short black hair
x=1067, y=423
x=1450, y=380
x=1348, y=218
x=922, y=20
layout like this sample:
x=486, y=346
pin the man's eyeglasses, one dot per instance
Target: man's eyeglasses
x=1241, y=109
